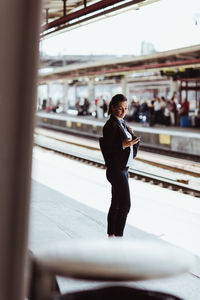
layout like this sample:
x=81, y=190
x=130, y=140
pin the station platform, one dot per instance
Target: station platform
x=61, y=216
x=57, y=218
x=134, y=124
x=176, y=139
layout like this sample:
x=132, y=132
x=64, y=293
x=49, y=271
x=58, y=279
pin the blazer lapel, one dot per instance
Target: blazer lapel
x=119, y=126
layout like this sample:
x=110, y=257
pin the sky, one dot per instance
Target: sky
x=167, y=24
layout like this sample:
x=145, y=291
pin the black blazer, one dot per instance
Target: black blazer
x=111, y=145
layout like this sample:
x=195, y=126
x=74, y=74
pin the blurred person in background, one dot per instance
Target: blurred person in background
x=151, y=116
x=166, y=114
x=157, y=110
x=172, y=111
x=105, y=108
x=143, y=115
x=185, y=108
x=86, y=106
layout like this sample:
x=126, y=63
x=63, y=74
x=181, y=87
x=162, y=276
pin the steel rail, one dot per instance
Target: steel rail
x=143, y=146
x=136, y=174
x=144, y=160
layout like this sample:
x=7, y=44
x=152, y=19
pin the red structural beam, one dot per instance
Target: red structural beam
x=190, y=79
x=141, y=67
x=87, y=10
x=158, y=65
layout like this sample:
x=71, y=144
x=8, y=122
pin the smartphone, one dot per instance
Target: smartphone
x=136, y=137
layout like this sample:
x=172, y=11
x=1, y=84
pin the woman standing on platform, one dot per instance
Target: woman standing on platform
x=119, y=147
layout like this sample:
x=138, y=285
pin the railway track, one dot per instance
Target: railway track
x=175, y=154
x=143, y=146
x=57, y=146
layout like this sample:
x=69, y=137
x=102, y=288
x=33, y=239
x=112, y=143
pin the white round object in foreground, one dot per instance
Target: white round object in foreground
x=115, y=259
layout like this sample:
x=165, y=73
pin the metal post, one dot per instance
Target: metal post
x=65, y=95
x=123, y=84
x=180, y=92
x=85, y=3
x=19, y=35
x=196, y=87
x=187, y=89
x=91, y=91
x=64, y=7
x=48, y=90
x=47, y=15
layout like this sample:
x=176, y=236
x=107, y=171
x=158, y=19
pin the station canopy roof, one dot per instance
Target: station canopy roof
x=63, y=15
x=59, y=15
x=178, y=62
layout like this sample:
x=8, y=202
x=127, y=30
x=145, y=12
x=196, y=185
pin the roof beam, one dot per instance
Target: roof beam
x=85, y=11
x=93, y=70
x=64, y=7
x=47, y=15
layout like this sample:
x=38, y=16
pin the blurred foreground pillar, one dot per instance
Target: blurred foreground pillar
x=19, y=35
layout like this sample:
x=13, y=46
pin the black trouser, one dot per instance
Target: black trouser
x=120, y=202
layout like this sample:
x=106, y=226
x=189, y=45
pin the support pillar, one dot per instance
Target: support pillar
x=91, y=90
x=65, y=96
x=64, y=7
x=47, y=15
x=19, y=35
x=174, y=88
x=48, y=90
x=124, y=85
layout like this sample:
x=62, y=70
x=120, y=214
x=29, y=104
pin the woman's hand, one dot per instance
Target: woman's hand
x=129, y=142
x=130, y=129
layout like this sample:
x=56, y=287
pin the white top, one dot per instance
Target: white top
x=157, y=106
x=130, y=159
x=129, y=136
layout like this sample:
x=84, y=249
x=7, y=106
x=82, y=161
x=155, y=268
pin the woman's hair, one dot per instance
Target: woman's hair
x=115, y=101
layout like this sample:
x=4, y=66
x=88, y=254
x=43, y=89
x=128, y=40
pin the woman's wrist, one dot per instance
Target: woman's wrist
x=124, y=145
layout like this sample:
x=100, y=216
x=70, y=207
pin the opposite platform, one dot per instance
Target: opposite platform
x=181, y=140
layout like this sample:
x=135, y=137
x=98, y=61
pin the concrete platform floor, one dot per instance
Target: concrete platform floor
x=55, y=217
